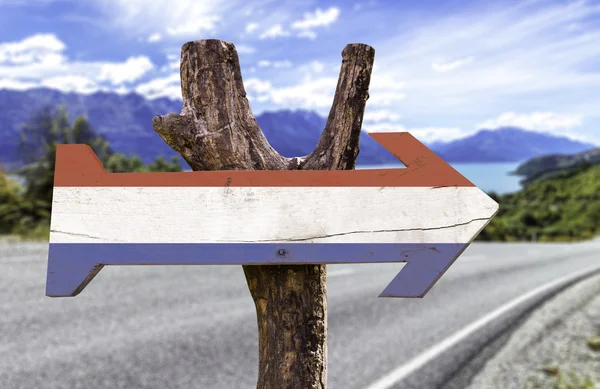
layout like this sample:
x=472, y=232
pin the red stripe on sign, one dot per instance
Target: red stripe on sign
x=77, y=165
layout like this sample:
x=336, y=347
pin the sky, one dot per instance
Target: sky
x=443, y=68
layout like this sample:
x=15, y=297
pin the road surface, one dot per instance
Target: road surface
x=169, y=327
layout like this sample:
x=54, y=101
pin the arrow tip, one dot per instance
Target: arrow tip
x=423, y=268
x=68, y=278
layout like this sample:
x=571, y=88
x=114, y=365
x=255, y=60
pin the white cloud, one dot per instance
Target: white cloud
x=187, y=18
x=173, y=63
x=122, y=90
x=282, y=64
x=243, y=49
x=17, y=84
x=444, y=66
x=154, y=37
x=308, y=94
x=534, y=64
x=194, y=26
x=573, y=27
x=313, y=67
x=385, y=89
x=385, y=98
x=317, y=19
x=307, y=34
x=71, y=84
x=537, y=121
x=251, y=27
x=39, y=48
x=424, y=134
x=311, y=93
x=378, y=116
x=437, y=134
x=274, y=32
x=39, y=61
x=131, y=70
x=544, y=59
x=383, y=127
x=169, y=86
x=258, y=86
x=275, y=64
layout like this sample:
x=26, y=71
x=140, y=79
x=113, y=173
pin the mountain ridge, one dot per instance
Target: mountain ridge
x=125, y=120
x=549, y=166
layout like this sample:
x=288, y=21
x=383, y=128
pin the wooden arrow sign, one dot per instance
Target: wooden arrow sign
x=425, y=214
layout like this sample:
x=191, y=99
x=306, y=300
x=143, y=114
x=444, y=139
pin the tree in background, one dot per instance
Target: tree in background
x=37, y=149
x=119, y=163
x=23, y=208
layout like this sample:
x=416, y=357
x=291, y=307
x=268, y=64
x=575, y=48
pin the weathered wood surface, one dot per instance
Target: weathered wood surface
x=262, y=217
x=282, y=218
x=254, y=215
x=216, y=130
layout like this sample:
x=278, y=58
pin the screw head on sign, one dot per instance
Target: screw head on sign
x=281, y=252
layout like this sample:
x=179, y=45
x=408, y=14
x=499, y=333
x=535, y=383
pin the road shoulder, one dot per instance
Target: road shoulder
x=554, y=336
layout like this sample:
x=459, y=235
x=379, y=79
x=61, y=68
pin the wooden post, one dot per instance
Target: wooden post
x=216, y=130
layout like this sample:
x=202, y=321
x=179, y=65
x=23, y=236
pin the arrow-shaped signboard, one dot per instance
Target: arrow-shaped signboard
x=425, y=214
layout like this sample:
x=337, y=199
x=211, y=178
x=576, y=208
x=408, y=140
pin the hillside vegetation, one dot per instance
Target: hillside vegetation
x=562, y=205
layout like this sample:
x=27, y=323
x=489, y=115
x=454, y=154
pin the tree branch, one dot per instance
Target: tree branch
x=216, y=130
x=338, y=146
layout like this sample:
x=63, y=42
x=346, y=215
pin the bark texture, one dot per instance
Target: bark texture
x=216, y=130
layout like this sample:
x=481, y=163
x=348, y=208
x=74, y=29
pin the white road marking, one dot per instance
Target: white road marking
x=403, y=371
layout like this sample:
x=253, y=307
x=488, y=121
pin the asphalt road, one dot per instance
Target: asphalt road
x=161, y=327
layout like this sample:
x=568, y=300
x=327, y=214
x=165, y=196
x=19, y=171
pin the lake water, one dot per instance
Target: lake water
x=487, y=176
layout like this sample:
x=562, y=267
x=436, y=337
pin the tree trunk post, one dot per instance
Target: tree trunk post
x=216, y=130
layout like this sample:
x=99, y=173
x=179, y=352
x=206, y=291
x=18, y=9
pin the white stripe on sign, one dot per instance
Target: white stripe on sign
x=268, y=214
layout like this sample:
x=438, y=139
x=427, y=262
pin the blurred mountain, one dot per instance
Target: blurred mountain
x=296, y=133
x=126, y=121
x=551, y=166
x=506, y=144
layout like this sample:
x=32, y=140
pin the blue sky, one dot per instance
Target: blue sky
x=443, y=69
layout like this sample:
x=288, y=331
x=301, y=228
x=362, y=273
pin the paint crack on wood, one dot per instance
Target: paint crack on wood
x=373, y=231
x=76, y=234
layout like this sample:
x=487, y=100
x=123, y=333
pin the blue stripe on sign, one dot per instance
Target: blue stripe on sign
x=72, y=265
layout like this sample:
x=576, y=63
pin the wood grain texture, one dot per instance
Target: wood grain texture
x=268, y=214
x=216, y=130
